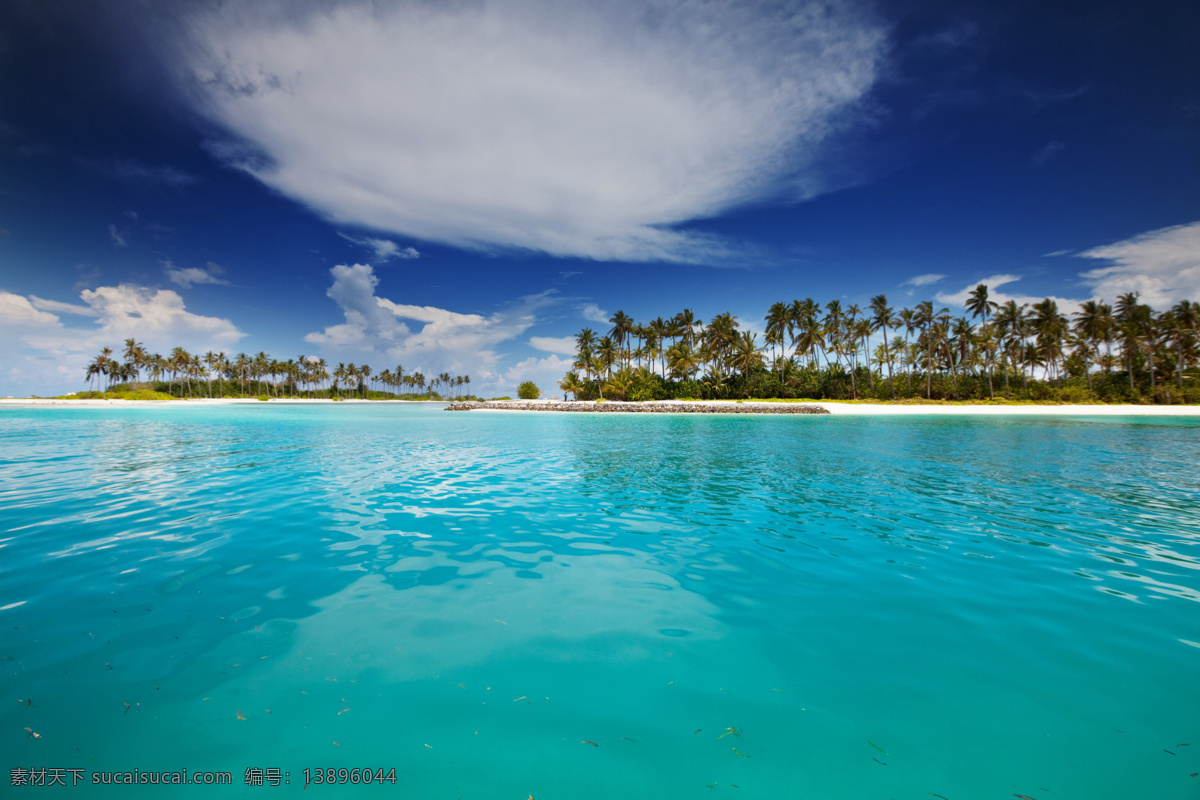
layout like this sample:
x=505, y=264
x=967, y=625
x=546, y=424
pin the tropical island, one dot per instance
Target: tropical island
x=1006, y=353
x=1010, y=352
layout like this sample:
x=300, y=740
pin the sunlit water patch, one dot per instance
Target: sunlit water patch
x=596, y=606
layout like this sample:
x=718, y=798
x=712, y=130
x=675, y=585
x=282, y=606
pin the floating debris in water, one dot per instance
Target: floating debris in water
x=32, y=734
x=343, y=711
x=877, y=761
x=877, y=747
x=241, y=716
x=740, y=753
x=585, y=741
x=734, y=731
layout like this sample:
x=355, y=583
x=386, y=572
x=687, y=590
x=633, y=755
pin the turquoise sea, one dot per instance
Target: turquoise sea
x=504, y=605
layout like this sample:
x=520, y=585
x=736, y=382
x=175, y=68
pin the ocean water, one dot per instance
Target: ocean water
x=597, y=606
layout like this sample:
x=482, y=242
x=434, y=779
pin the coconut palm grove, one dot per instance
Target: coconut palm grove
x=1124, y=352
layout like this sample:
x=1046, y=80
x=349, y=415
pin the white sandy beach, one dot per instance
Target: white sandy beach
x=844, y=409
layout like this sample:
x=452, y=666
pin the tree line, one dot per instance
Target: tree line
x=1124, y=352
x=185, y=374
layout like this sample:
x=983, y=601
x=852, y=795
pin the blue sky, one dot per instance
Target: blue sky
x=463, y=186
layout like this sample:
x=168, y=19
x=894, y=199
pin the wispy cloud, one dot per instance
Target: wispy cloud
x=591, y=130
x=384, y=249
x=1047, y=152
x=133, y=171
x=1056, y=254
x=117, y=236
x=187, y=277
x=58, y=307
x=927, y=279
x=1163, y=266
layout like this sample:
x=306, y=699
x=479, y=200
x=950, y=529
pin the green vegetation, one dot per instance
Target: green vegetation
x=1126, y=353
x=189, y=375
x=528, y=390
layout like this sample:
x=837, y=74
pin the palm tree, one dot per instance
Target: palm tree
x=1051, y=328
x=1090, y=326
x=1185, y=325
x=923, y=319
x=1129, y=321
x=746, y=356
x=883, y=319
x=980, y=306
x=683, y=360
x=622, y=326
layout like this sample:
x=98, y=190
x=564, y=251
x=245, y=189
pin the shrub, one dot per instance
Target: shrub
x=528, y=391
x=263, y=398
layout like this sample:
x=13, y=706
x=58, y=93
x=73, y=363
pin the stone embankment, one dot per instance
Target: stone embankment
x=663, y=407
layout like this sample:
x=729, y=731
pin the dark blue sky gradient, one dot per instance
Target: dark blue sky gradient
x=993, y=135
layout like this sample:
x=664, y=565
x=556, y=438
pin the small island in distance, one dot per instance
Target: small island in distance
x=1002, y=353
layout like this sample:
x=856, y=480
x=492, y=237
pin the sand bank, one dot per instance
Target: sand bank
x=826, y=407
x=683, y=406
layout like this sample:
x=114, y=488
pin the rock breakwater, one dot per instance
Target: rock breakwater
x=655, y=407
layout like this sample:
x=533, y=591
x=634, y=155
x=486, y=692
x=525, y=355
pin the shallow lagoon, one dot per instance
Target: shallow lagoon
x=747, y=607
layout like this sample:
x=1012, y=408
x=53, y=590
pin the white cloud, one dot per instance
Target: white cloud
x=589, y=130
x=1056, y=254
x=384, y=248
x=187, y=277
x=439, y=340
x=544, y=372
x=16, y=310
x=993, y=283
x=118, y=237
x=1163, y=266
x=593, y=313
x=564, y=346
x=923, y=280
x=42, y=356
x=62, y=308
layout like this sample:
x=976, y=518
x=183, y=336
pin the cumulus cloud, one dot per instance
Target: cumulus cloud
x=923, y=280
x=384, y=248
x=38, y=354
x=1163, y=266
x=421, y=338
x=593, y=313
x=187, y=277
x=593, y=130
x=16, y=310
x=564, y=346
x=544, y=372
